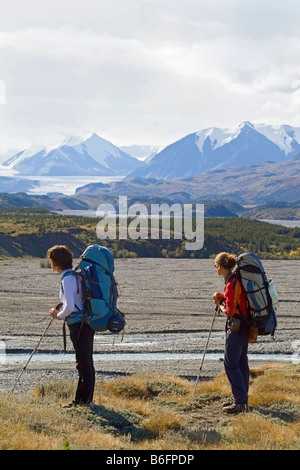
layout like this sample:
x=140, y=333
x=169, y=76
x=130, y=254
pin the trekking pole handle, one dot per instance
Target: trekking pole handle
x=218, y=310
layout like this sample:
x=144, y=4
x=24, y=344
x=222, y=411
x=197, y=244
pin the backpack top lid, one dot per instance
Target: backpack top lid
x=100, y=255
x=251, y=260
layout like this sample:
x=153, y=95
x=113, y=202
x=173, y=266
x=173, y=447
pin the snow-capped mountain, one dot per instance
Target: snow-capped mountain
x=5, y=155
x=194, y=154
x=216, y=148
x=76, y=156
x=22, y=155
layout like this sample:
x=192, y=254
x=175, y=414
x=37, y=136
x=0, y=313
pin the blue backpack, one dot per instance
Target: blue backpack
x=96, y=269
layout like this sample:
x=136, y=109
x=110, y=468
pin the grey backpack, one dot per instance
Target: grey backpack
x=261, y=293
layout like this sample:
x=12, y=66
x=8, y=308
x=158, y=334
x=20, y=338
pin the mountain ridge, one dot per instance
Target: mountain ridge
x=75, y=156
x=217, y=148
x=194, y=154
x=249, y=184
x=255, y=184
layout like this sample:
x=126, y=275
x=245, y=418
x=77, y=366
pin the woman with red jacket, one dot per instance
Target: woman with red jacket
x=233, y=303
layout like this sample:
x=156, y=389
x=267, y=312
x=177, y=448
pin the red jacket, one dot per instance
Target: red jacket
x=235, y=295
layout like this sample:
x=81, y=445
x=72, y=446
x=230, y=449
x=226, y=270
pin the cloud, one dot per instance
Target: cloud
x=243, y=65
x=149, y=73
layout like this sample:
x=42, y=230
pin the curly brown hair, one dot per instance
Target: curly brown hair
x=61, y=256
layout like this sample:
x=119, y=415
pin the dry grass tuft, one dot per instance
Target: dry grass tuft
x=256, y=432
x=219, y=384
x=275, y=385
x=162, y=421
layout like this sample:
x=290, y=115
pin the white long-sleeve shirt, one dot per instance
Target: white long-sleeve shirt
x=70, y=294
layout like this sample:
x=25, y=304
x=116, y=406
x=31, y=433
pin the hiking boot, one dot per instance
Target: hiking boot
x=228, y=403
x=235, y=408
x=89, y=405
x=74, y=404
x=70, y=405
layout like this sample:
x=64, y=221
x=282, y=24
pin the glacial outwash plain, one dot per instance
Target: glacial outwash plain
x=169, y=312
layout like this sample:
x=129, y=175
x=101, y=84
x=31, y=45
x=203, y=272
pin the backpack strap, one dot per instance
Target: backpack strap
x=245, y=319
x=68, y=273
x=238, y=288
x=65, y=333
x=237, y=293
x=65, y=336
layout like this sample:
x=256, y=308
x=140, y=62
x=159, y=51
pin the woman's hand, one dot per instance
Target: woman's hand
x=53, y=312
x=218, y=298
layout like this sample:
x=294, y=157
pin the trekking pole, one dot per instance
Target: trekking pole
x=205, y=349
x=34, y=350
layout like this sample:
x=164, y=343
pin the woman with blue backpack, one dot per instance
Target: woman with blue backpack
x=70, y=310
x=233, y=303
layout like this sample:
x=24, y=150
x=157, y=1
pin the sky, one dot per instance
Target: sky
x=145, y=72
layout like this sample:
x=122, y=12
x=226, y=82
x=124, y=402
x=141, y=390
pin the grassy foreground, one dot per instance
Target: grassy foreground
x=157, y=412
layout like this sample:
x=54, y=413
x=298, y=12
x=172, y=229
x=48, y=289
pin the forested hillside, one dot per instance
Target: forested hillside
x=30, y=232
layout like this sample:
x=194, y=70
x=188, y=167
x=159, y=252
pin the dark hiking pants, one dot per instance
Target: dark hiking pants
x=82, y=337
x=236, y=364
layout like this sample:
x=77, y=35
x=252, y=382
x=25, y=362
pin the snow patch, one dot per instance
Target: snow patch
x=283, y=136
x=217, y=136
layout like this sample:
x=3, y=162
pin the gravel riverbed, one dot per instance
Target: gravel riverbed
x=169, y=312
